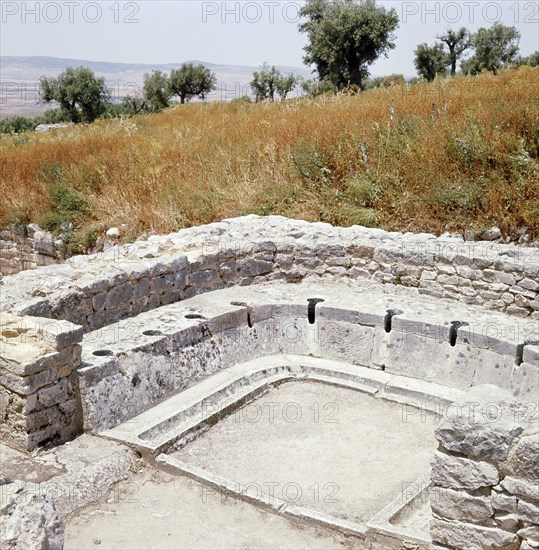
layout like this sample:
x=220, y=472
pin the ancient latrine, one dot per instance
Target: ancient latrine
x=153, y=343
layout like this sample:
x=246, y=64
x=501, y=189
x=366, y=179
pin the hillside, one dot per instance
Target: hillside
x=20, y=76
x=387, y=158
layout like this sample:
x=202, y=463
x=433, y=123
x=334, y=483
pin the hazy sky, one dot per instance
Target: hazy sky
x=232, y=32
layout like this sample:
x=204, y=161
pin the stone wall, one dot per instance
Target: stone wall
x=486, y=474
x=26, y=247
x=97, y=290
x=38, y=388
x=129, y=366
x=456, y=314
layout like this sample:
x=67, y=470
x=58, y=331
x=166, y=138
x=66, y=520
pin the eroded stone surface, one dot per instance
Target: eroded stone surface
x=461, y=473
x=400, y=313
x=250, y=249
x=487, y=495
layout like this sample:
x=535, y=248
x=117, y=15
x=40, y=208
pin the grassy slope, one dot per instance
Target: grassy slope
x=379, y=158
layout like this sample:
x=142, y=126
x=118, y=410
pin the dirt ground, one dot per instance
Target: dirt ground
x=154, y=510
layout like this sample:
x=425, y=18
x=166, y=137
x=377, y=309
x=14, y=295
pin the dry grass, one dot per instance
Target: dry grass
x=379, y=158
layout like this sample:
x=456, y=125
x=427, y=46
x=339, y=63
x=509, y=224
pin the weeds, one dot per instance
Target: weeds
x=18, y=215
x=377, y=158
x=311, y=162
x=68, y=207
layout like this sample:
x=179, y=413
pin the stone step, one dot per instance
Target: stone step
x=177, y=420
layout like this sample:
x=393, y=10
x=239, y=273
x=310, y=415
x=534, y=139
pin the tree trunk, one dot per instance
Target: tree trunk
x=453, y=58
x=354, y=69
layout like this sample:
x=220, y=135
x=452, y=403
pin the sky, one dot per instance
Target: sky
x=232, y=32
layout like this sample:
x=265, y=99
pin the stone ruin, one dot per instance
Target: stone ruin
x=26, y=247
x=154, y=344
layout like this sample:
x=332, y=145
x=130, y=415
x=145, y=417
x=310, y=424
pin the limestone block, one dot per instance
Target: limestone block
x=468, y=273
x=38, y=419
x=431, y=287
x=465, y=536
x=254, y=268
x=181, y=279
x=528, y=511
x=519, y=488
x=460, y=505
x=55, y=394
x=523, y=459
x=429, y=359
x=119, y=295
x=505, y=278
x=351, y=343
x=493, y=368
x=531, y=294
x=478, y=436
x=358, y=250
x=529, y=284
x=525, y=382
x=57, y=359
x=530, y=534
x=42, y=259
x=114, y=276
x=99, y=300
x=170, y=297
x=44, y=243
x=462, y=473
x=28, y=384
x=531, y=355
x=199, y=278
x=32, y=523
x=179, y=264
x=508, y=522
x=503, y=503
x=309, y=262
x=164, y=283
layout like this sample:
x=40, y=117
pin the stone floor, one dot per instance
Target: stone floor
x=331, y=449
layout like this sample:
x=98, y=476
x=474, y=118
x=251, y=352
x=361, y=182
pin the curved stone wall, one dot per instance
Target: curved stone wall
x=97, y=290
x=93, y=343
x=131, y=365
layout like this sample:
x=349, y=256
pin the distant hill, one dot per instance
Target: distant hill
x=19, y=77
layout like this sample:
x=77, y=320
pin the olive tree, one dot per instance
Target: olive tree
x=80, y=94
x=269, y=81
x=430, y=61
x=457, y=43
x=494, y=47
x=345, y=37
x=156, y=91
x=192, y=81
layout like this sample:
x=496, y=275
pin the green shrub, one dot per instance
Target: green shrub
x=522, y=160
x=18, y=215
x=53, y=116
x=78, y=241
x=367, y=217
x=311, y=163
x=68, y=207
x=17, y=125
x=363, y=191
x=117, y=110
x=455, y=197
x=242, y=99
x=52, y=172
x=471, y=149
